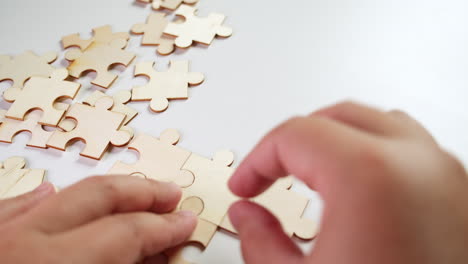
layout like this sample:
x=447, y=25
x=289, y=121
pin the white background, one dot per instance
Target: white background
x=285, y=58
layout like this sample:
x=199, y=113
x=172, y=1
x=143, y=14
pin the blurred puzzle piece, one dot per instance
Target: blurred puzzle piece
x=16, y=180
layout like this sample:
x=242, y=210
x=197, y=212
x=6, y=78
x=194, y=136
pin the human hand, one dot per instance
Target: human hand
x=391, y=194
x=106, y=219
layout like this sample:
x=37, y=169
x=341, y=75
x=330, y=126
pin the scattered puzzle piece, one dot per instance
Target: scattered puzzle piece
x=120, y=99
x=102, y=35
x=30, y=181
x=41, y=93
x=209, y=195
x=11, y=127
x=96, y=126
x=99, y=57
x=24, y=66
x=159, y=159
x=169, y=4
x=172, y=84
x=153, y=34
x=202, y=30
x=11, y=171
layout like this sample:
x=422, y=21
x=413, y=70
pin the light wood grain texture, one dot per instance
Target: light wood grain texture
x=120, y=100
x=101, y=35
x=159, y=159
x=9, y=128
x=24, y=66
x=162, y=86
x=11, y=171
x=97, y=126
x=41, y=93
x=197, y=29
x=30, y=181
x=153, y=33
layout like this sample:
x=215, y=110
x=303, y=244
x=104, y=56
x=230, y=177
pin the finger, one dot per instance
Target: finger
x=260, y=232
x=412, y=127
x=158, y=259
x=319, y=151
x=128, y=238
x=14, y=207
x=362, y=117
x=100, y=196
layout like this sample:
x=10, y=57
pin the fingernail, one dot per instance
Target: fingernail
x=43, y=189
x=186, y=214
x=172, y=187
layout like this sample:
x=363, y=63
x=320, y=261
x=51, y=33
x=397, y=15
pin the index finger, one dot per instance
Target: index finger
x=318, y=150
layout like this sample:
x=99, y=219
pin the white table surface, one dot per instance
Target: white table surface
x=284, y=59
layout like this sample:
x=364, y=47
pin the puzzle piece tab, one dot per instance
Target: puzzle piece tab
x=102, y=35
x=153, y=34
x=97, y=126
x=202, y=30
x=172, y=84
x=159, y=159
x=120, y=100
x=99, y=57
x=24, y=66
x=11, y=127
x=41, y=93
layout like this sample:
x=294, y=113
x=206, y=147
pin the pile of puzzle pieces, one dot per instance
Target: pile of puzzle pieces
x=40, y=96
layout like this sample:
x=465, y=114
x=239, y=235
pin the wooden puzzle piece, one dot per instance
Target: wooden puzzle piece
x=41, y=93
x=159, y=159
x=202, y=235
x=172, y=84
x=101, y=35
x=30, y=181
x=168, y=4
x=11, y=127
x=202, y=30
x=287, y=206
x=24, y=66
x=97, y=126
x=120, y=99
x=153, y=34
x=99, y=57
x=11, y=171
x=209, y=190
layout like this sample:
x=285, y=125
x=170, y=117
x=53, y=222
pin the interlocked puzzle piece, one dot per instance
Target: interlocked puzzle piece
x=159, y=159
x=209, y=195
x=99, y=57
x=16, y=180
x=153, y=34
x=97, y=126
x=288, y=207
x=172, y=84
x=24, y=66
x=202, y=30
x=120, y=100
x=169, y=4
x=102, y=35
x=202, y=235
x=11, y=127
x=41, y=93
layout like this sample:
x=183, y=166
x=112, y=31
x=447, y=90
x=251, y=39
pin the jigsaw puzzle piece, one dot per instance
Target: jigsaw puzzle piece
x=171, y=4
x=153, y=34
x=202, y=30
x=24, y=66
x=202, y=235
x=120, y=99
x=209, y=189
x=30, y=181
x=99, y=57
x=162, y=86
x=11, y=127
x=97, y=126
x=11, y=171
x=101, y=35
x=41, y=93
x=159, y=159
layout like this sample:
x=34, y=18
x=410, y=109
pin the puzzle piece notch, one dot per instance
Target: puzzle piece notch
x=24, y=66
x=120, y=99
x=11, y=127
x=159, y=159
x=153, y=34
x=171, y=4
x=97, y=126
x=101, y=35
x=11, y=171
x=162, y=86
x=99, y=58
x=202, y=30
x=41, y=93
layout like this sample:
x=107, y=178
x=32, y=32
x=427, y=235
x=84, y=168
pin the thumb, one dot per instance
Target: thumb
x=13, y=207
x=262, y=237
